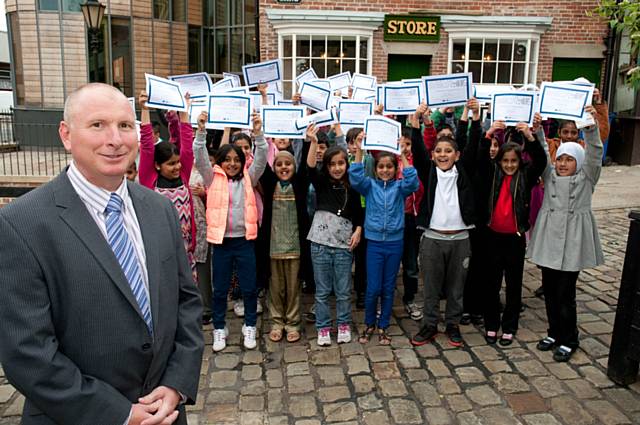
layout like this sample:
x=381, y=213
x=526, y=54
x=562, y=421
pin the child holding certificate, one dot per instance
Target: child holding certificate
x=508, y=182
x=447, y=212
x=166, y=169
x=565, y=239
x=285, y=224
x=335, y=233
x=384, y=227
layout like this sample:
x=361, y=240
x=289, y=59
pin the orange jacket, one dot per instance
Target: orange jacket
x=218, y=207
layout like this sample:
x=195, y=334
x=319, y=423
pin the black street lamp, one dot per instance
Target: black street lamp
x=93, y=12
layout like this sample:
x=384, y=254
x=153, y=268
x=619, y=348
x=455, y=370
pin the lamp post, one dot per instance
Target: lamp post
x=93, y=12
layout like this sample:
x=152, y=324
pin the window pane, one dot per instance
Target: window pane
x=490, y=50
x=520, y=51
x=518, y=73
x=458, y=51
x=287, y=49
x=333, y=47
x=474, y=68
x=349, y=48
x=505, y=50
x=121, y=53
x=364, y=51
x=250, y=53
x=221, y=52
x=318, y=67
x=161, y=9
x=489, y=72
x=349, y=65
x=318, y=47
x=302, y=45
x=236, y=50
x=532, y=52
x=286, y=64
x=209, y=49
x=236, y=12
x=179, y=10
x=249, y=12
x=363, y=67
x=71, y=5
x=301, y=66
x=208, y=12
x=475, y=51
x=286, y=88
x=333, y=67
x=222, y=12
x=14, y=27
x=504, y=73
x=194, y=50
x=48, y=4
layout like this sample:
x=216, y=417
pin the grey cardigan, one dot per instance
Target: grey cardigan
x=565, y=236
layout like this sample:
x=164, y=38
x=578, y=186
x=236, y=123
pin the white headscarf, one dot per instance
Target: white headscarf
x=574, y=150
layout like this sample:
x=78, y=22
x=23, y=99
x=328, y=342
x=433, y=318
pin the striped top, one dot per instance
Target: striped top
x=96, y=200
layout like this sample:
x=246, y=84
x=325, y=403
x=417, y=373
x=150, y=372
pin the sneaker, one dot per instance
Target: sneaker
x=324, y=337
x=414, y=311
x=453, y=332
x=344, y=333
x=425, y=335
x=466, y=319
x=546, y=344
x=259, y=307
x=238, y=308
x=220, y=339
x=249, y=333
x=563, y=353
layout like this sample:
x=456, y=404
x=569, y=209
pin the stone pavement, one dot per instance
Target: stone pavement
x=304, y=384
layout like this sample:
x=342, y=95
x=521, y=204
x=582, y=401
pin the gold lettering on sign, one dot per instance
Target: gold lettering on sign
x=422, y=28
x=432, y=28
x=402, y=25
x=392, y=29
x=411, y=27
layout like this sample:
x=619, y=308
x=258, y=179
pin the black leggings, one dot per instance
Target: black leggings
x=560, y=300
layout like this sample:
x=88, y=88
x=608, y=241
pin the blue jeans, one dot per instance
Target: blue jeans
x=240, y=250
x=332, y=270
x=383, y=263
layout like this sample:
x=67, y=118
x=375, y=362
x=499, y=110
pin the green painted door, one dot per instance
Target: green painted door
x=569, y=69
x=407, y=66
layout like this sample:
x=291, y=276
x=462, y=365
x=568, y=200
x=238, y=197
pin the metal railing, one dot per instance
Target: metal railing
x=30, y=149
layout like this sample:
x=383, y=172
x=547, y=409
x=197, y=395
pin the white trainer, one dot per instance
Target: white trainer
x=238, y=308
x=344, y=333
x=249, y=333
x=220, y=339
x=324, y=337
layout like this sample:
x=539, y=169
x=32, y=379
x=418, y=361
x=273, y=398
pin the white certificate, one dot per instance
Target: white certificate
x=194, y=113
x=321, y=82
x=280, y=121
x=484, y=92
x=340, y=81
x=284, y=102
x=314, y=96
x=380, y=94
x=198, y=84
x=382, y=134
x=363, y=81
x=364, y=94
x=234, y=77
x=222, y=86
x=263, y=72
x=402, y=99
x=230, y=110
x=565, y=101
x=256, y=100
x=448, y=90
x=327, y=117
x=308, y=75
x=164, y=94
x=513, y=107
x=353, y=112
x=415, y=81
x=239, y=90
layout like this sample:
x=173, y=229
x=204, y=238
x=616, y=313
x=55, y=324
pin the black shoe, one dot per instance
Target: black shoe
x=424, y=336
x=563, y=353
x=491, y=339
x=477, y=319
x=453, y=332
x=466, y=319
x=539, y=292
x=360, y=301
x=506, y=339
x=546, y=344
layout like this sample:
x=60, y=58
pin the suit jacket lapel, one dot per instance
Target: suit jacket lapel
x=149, y=229
x=74, y=213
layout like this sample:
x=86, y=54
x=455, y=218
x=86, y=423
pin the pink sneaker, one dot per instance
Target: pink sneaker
x=324, y=337
x=344, y=333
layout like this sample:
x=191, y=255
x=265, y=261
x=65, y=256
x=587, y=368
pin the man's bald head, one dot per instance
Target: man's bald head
x=91, y=89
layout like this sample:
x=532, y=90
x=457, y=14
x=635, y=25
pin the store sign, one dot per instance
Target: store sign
x=412, y=28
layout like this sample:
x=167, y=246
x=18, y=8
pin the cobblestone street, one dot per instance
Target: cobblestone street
x=303, y=384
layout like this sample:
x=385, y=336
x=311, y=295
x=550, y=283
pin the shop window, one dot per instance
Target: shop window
x=496, y=61
x=54, y=5
x=46, y=5
x=326, y=54
x=195, y=57
x=121, y=66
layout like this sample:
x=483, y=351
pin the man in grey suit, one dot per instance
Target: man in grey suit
x=99, y=314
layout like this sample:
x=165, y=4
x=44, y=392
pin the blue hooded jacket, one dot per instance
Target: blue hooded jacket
x=384, y=220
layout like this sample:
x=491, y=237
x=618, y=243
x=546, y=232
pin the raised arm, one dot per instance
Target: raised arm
x=312, y=138
x=539, y=132
x=359, y=181
x=147, y=174
x=593, y=152
x=259, y=164
x=340, y=139
x=202, y=163
x=421, y=160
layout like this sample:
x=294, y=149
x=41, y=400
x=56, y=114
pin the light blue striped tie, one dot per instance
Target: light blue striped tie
x=125, y=253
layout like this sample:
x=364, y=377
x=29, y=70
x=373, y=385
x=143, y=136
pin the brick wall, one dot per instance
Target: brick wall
x=570, y=24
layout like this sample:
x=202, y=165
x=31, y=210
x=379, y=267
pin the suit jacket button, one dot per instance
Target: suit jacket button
x=146, y=346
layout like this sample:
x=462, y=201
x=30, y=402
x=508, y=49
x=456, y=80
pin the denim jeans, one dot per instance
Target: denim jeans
x=242, y=251
x=332, y=270
x=383, y=263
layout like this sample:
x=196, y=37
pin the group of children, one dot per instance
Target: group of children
x=457, y=198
